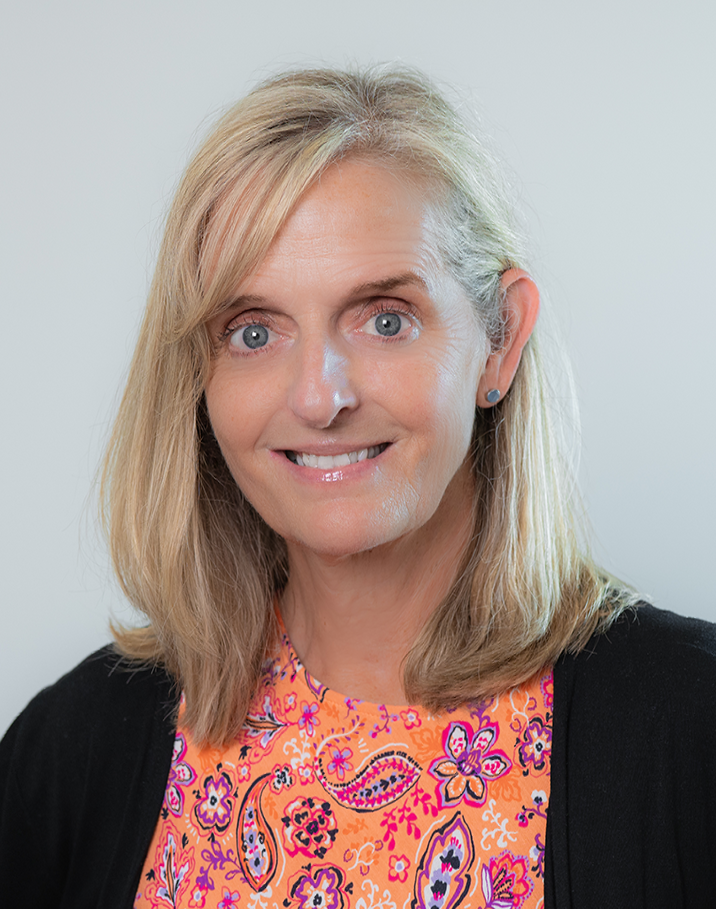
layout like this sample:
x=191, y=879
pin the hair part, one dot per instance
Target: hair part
x=190, y=551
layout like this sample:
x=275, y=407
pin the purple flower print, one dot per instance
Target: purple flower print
x=320, y=889
x=180, y=774
x=308, y=719
x=536, y=745
x=339, y=762
x=229, y=900
x=471, y=762
x=214, y=809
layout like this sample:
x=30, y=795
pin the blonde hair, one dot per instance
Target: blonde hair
x=192, y=554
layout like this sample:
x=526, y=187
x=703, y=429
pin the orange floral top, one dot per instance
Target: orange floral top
x=330, y=802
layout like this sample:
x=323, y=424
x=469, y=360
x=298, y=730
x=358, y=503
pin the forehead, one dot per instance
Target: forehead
x=354, y=222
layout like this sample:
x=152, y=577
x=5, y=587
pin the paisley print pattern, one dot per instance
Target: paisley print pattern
x=328, y=802
x=256, y=840
x=386, y=778
x=443, y=880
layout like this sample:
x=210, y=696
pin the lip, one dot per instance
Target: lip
x=319, y=475
x=331, y=447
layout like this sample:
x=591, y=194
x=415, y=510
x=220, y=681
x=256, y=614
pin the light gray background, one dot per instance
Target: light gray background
x=605, y=111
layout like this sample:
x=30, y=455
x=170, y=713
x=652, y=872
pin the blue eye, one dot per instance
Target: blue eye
x=388, y=324
x=251, y=336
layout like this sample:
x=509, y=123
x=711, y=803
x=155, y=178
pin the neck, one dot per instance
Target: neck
x=353, y=619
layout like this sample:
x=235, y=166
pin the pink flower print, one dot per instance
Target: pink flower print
x=214, y=809
x=410, y=718
x=536, y=745
x=289, y=701
x=470, y=763
x=180, y=774
x=305, y=774
x=322, y=888
x=339, y=762
x=228, y=900
x=308, y=719
x=197, y=900
x=546, y=685
x=398, y=868
x=505, y=882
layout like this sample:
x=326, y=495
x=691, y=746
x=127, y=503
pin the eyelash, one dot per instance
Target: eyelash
x=376, y=309
x=401, y=309
x=233, y=327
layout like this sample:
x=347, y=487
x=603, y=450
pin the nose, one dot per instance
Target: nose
x=321, y=386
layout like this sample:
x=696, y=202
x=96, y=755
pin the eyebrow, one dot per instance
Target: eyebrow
x=368, y=288
x=388, y=284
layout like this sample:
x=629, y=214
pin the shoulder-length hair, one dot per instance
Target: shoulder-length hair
x=192, y=554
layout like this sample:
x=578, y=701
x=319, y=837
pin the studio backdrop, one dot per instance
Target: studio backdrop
x=604, y=115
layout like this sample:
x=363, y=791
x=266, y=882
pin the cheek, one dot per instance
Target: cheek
x=454, y=416
x=439, y=398
x=237, y=415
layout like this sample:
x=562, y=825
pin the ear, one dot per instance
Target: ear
x=521, y=305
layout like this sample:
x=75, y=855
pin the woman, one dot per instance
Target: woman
x=334, y=460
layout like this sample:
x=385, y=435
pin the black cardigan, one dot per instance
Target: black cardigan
x=632, y=810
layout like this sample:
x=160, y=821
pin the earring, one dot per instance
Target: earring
x=493, y=396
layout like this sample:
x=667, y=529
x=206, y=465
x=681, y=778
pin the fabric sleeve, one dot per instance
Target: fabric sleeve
x=632, y=819
x=82, y=776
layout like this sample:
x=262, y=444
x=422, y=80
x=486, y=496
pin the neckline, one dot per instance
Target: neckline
x=323, y=694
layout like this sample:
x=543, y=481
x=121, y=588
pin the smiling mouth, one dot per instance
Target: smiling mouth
x=329, y=462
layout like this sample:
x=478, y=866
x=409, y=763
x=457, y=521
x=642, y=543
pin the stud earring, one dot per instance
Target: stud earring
x=493, y=396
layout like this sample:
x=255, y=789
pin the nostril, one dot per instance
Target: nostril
x=322, y=387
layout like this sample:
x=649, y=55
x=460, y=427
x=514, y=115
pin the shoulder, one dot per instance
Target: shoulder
x=634, y=738
x=82, y=771
x=660, y=629
x=645, y=650
x=104, y=710
x=104, y=690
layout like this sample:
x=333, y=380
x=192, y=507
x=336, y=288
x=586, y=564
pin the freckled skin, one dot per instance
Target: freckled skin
x=325, y=378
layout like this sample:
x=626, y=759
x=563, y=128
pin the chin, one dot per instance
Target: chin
x=338, y=545
x=340, y=535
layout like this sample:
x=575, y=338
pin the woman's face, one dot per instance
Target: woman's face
x=343, y=391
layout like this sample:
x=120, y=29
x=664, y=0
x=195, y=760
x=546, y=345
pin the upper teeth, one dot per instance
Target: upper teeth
x=326, y=462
